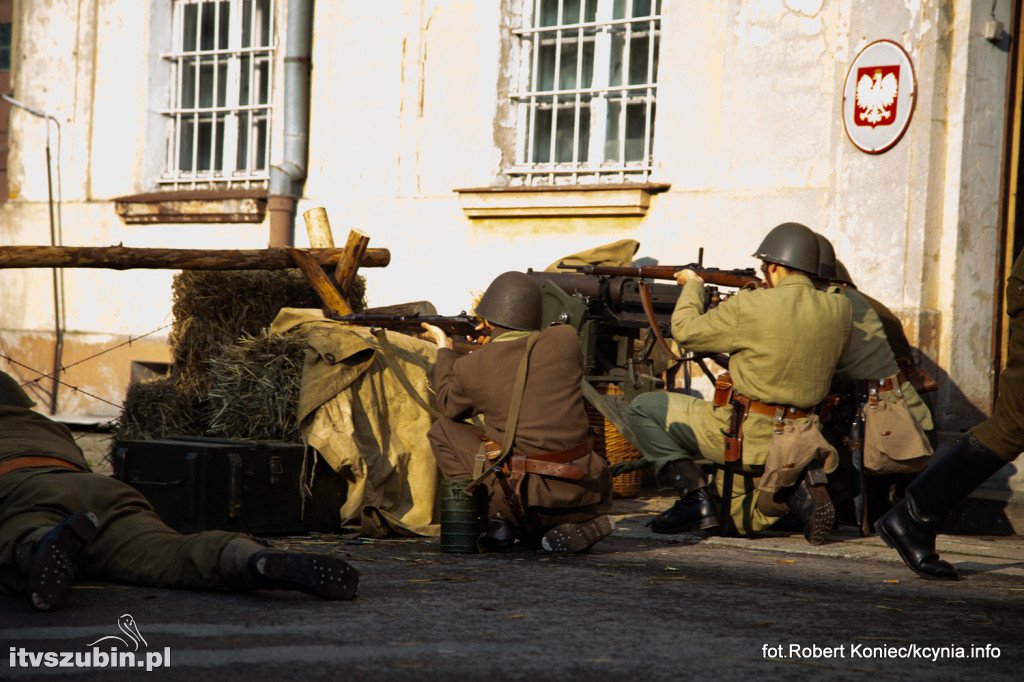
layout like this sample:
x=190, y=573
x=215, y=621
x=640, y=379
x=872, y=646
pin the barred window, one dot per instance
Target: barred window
x=587, y=92
x=222, y=70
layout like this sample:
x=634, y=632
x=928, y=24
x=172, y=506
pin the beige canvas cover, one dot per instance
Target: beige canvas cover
x=355, y=413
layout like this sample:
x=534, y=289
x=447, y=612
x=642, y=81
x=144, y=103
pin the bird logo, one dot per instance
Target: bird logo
x=127, y=625
x=877, y=88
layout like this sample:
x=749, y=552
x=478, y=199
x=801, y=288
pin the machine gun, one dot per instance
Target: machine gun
x=737, y=278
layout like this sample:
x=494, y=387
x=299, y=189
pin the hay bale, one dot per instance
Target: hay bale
x=215, y=308
x=254, y=388
x=160, y=408
x=230, y=378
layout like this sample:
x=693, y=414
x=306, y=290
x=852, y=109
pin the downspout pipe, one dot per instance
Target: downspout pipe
x=288, y=175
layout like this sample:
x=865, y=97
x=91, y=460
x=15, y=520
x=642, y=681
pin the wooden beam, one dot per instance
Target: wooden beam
x=355, y=247
x=125, y=258
x=334, y=302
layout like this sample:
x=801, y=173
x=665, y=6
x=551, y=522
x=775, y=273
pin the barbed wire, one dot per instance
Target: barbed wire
x=63, y=368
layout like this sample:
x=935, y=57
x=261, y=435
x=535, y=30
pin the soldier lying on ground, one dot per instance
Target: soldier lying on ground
x=548, y=492
x=58, y=518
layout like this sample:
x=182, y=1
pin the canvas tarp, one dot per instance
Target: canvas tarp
x=356, y=414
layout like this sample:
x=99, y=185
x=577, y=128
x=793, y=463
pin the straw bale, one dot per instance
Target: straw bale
x=160, y=408
x=255, y=388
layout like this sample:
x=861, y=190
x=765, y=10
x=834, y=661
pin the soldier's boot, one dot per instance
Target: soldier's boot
x=501, y=534
x=56, y=558
x=576, y=538
x=695, y=508
x=810, y=502
x=910, y=528
x=247, y=565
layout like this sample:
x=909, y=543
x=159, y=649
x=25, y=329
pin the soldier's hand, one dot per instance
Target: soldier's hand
x=437, y=335
x=684, y=276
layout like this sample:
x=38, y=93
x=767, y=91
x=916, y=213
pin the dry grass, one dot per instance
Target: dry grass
x=231, y=378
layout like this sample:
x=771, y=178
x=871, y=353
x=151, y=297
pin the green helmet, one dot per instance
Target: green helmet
x=843, y=275
x=512, y=301
x=826, y=258
x=11, y=392
x=792, y=245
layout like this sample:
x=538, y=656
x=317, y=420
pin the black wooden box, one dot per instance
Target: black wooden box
x=219, y=484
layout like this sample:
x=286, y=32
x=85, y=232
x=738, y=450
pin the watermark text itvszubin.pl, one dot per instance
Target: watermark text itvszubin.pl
x=92, y=658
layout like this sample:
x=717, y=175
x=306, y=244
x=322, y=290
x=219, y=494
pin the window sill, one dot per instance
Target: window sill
x=199, y=206
x=558, y=201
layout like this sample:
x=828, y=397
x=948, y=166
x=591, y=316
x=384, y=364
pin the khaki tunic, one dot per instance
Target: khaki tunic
x=870, y=356
x=784, y=344
x=1003, y=432
x=133, y=545
x=552, y=417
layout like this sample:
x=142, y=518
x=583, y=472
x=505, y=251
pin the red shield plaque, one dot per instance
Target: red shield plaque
x=877, y=95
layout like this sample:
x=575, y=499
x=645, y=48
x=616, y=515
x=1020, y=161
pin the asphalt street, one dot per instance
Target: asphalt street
x=638, y=606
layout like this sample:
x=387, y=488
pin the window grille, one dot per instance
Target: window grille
x=222, y=70
x=588, y=91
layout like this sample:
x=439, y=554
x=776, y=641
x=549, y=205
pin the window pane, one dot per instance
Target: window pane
x=574, y=60
x=5, y=47
x=221, y=84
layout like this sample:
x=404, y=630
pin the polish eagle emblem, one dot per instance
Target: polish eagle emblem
x=877, y=88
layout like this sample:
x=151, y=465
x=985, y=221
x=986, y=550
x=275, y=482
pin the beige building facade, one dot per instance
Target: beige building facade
x=472, y=137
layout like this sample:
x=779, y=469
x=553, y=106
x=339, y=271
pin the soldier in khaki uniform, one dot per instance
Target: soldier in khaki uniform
x=911, y=527
x=784, y=342
x=57, y=517
x=868, y=372
x=565, y=480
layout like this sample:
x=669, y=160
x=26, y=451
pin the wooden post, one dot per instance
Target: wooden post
x=334, y=302
x=318, y=227
x=345, y=272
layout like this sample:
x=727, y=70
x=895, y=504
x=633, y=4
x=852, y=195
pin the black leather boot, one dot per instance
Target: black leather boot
x=810, y=502
x=695, y=508
x=248, y=565
x=911, y=527
x=56, y=559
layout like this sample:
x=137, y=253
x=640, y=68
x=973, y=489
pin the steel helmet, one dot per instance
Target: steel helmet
x=11, y=392
x=826, y=258
x=512, y=301
x=792, y=245
x=843, y=275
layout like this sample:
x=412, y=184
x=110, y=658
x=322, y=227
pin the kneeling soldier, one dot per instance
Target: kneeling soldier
x=784, y=342
x=543, y=478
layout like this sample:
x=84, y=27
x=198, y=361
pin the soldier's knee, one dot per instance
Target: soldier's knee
x=647, y=407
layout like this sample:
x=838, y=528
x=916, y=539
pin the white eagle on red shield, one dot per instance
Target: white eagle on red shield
x=877, y=88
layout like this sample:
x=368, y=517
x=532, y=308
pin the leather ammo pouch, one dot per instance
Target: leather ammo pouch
x=793, y=446
x=894, y=442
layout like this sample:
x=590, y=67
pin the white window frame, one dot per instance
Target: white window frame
x=238, y=121
x=594, y=101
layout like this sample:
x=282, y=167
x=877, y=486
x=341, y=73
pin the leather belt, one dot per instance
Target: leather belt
x=770, y=410
x=550, y=463
x=31, y=462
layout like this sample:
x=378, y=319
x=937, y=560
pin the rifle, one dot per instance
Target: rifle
x=736, y=278
x=462, y=324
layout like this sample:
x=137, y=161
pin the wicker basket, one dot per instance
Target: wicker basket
x=613, y=446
